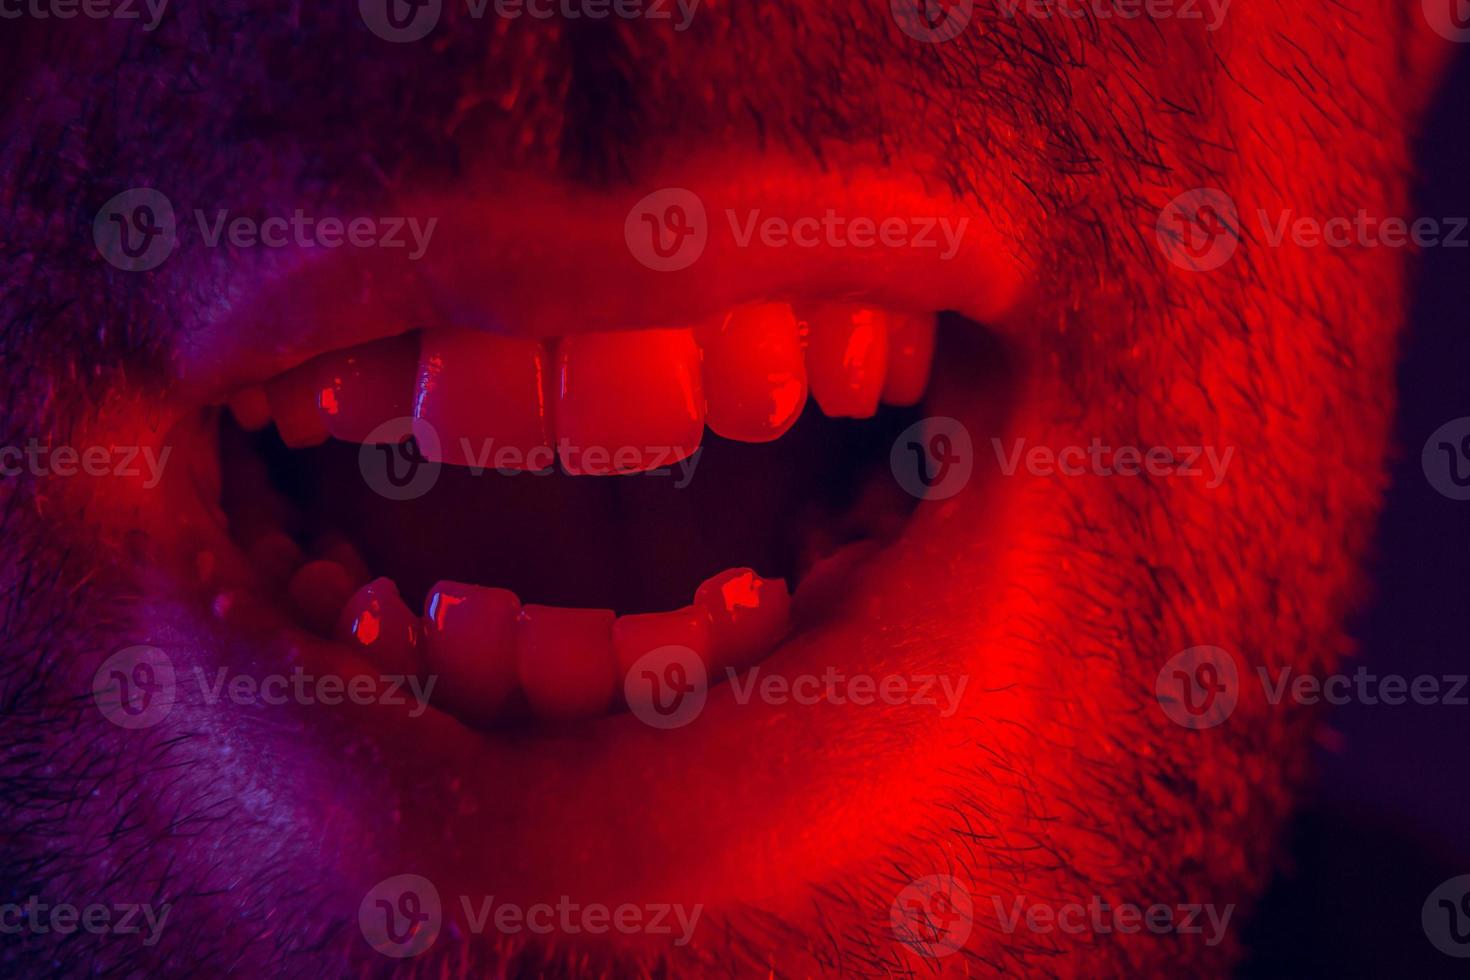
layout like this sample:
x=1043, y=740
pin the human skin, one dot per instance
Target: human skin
x=795, y=827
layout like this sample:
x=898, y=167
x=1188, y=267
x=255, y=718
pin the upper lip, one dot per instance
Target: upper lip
x=535, y=258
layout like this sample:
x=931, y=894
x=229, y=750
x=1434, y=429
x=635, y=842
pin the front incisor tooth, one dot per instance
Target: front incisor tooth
x=634, y=637
x=470, y=646
x=755, y=378
x=564, y=660
x=486, y=398
x=379, y=625
x=748, y=614
x=846, y=357
x=628, y=401
x=360, y=388
x=910, y=357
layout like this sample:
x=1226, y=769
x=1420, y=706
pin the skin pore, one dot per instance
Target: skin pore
x=1057, y=779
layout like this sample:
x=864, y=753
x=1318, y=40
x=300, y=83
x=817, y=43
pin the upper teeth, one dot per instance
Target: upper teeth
x=605, y=402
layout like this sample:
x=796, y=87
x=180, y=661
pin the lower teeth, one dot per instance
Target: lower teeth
x=805, y=509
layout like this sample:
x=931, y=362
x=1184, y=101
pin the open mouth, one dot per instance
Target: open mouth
x=530, y=520
x=524, y=515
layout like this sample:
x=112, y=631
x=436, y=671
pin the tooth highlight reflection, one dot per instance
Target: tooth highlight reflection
x=378, y=624
x=748, y=615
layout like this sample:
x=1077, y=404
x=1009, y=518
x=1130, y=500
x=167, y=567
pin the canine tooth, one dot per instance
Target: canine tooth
x=635, y=636
x=748, y=615
x=564, y=661
x=755, y=378
x=362, y=387
x=910, y=358
x=470, y=646
x=376, y=623
x=628, y=401
x=846, y=357
x=249, y=407
x=292, y=399
x=319, y=590
x=489, y=392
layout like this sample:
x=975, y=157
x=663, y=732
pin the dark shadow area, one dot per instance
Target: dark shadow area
x=1391, y=814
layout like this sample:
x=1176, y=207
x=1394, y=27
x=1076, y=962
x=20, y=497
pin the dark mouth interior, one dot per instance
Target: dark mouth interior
x=634, y=543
